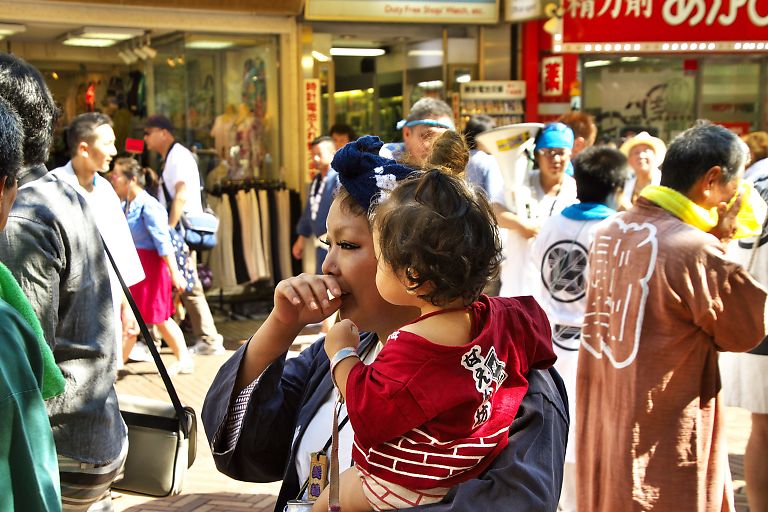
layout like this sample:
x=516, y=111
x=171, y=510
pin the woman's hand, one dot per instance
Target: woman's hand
x=343, y=334
x=179, y=282
x=306, y=299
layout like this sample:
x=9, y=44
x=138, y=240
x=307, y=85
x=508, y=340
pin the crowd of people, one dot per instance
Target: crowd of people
x=66, y=323
x=558, y=353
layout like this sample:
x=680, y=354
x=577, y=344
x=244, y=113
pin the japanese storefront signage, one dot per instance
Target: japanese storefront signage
x=312, y=120
x=398, y=11
x=552, y=76
x=493, y=89
x=601, y=21
x=522, y=10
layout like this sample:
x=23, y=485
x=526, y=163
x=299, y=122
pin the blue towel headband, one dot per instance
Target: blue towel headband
x=366, y=175
x=427, y=122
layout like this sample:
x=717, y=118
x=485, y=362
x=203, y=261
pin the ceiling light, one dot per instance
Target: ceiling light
x=171, y=62
x=71, y=40
x=596, y=63
x=629, y=59
x=8, y=29
x=431, y=84
x=208, y=45
x=140, y=53
x=462, y=79
x=425, y=53
x=320, y=57
x=127, y=57
x=357, y=52
x=113, y=33
x=54, y=75
x=147, y=50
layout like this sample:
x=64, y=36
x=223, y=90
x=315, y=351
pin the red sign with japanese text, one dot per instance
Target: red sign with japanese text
x=601, y=21
x=552, y=76
x=312, y=120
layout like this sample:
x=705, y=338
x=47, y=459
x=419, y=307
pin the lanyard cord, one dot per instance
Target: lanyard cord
x=336, y=430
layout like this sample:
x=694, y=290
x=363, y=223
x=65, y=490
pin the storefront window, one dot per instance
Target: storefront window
x=223, y=91
x=730, y=94
x=653, y=94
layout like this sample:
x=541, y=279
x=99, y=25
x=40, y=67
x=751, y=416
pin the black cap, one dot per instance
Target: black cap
x=159, y=121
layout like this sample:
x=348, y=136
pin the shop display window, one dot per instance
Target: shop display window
x=223, y=91
x=652, y=94
x=730, y=93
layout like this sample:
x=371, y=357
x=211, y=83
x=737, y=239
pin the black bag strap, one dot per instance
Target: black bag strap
x=180, y=412
x=166, y=193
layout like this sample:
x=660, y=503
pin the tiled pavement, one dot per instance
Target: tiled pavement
x=205, y=489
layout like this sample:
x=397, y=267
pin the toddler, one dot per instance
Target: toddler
x=434, y=408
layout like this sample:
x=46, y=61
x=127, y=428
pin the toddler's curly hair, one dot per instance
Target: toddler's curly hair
x=435, y=229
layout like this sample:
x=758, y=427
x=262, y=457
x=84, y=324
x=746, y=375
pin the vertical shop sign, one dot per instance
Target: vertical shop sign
x=552, y=76
x=312, y=128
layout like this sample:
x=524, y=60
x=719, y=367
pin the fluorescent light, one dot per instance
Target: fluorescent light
x=85, y=41
x=462, y=79
x=596, y=63
x=431, y=84
x=320, y=57
x=629, y=59
x=114, y=33
x=425, y=53
x=209, y=45
x=357, y=52
x=8, y=29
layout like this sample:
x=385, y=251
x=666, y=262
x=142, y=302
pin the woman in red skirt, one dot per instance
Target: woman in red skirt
x=148, y=222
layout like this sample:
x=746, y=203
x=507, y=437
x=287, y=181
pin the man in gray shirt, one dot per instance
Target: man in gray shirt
x=52, y=246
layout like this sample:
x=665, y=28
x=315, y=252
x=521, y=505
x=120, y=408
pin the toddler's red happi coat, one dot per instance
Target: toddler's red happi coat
x=428, y=415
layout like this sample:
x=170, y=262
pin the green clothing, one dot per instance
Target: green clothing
x=10, y=292
x=29, y=473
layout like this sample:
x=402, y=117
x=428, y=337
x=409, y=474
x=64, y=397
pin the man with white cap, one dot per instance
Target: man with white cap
x=645, y=154
x=427, y=120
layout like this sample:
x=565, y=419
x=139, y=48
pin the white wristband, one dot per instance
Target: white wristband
x=339, y=356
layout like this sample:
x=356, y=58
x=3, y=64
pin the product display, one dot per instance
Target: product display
x=502, y=100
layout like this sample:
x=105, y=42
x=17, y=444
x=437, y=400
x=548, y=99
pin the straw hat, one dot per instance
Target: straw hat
x=656, y=144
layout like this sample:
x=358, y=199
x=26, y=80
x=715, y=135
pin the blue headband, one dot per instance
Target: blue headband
x=427, y=122
x=365, y=174
x=554, y=135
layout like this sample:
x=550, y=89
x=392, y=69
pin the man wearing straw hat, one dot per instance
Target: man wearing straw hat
x=645, y=154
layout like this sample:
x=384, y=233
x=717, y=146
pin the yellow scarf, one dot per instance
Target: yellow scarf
x=749, y=220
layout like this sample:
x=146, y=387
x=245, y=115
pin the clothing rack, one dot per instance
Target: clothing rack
x=246, y=184
x=257, y=218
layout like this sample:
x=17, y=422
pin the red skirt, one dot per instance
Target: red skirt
x=154, y=295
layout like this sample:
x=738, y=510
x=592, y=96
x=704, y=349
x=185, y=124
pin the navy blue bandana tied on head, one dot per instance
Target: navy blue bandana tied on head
x=365, y=174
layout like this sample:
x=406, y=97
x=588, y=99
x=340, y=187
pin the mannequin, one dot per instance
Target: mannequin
x=222, y=132
x=245, y=141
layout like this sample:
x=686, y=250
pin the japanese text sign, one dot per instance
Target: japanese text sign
x=312, y=120
x=552, y=76
x=493, y=89
x=599, y=21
